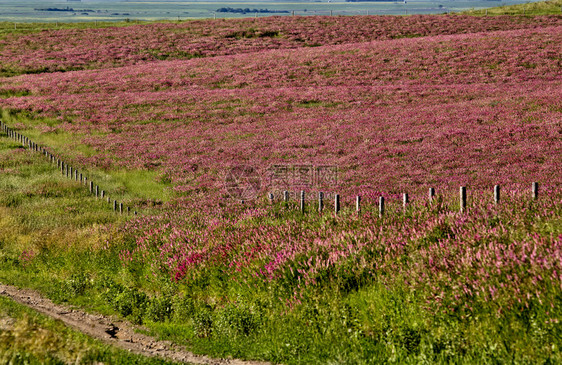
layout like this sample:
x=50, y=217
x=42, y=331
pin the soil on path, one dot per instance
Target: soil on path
x=114, y=332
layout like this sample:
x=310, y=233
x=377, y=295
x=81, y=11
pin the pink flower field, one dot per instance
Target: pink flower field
x=393, y=115
x=74, y=49
x=364, y=105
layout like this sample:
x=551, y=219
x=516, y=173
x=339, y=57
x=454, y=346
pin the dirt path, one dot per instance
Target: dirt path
x=114, y=332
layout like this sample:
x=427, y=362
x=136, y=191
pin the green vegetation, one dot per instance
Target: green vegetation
x=424, y=283
x=26, y=27
x=56, y=238
x=532, y=8
x=27, y=337
x=142, y=189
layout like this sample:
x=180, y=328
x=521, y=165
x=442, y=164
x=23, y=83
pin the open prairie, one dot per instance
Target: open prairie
x=193, y=124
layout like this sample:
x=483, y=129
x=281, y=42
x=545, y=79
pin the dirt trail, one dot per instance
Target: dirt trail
x=114, y=332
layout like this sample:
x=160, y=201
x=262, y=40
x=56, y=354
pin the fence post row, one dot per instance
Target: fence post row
x=73, y=174
x=64, y=168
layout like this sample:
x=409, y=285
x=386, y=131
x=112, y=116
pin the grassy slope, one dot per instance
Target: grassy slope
x=56, y=238
x=533, y=8
x=141, y=189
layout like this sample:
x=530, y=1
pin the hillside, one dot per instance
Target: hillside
x=394, y=115
x=194, y=124
x=530, y=8
x=82, y=47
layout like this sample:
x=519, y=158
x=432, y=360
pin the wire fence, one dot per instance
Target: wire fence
x=66, y=169
x=318, y=201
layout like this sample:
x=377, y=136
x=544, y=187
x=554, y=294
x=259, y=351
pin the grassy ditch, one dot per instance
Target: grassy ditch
x=397, y=296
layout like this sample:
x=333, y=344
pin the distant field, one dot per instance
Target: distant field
x=23, y=11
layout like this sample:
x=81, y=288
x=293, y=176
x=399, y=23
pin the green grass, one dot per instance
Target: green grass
x=33, y=27
x=550, y=7
x=27, y=337
x=140, y=188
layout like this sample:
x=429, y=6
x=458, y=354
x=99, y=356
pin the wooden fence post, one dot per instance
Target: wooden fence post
x=381, y=206
x=358, y=204
x=496, y=194
x=535, y=190
x=115, y=205
x=120, y=208
x=462, y=193
x=271, y=198
x=285, y=196
x=405, y=200
x=97, y=191
x=337, y=203
x=431, y=194
x=302, y=201
x=91, y=187
x=320, y=202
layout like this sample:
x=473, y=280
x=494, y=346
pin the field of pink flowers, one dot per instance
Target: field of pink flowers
x=74, y=49
x=456, y=260
x=394, y=115
x=398, y=104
